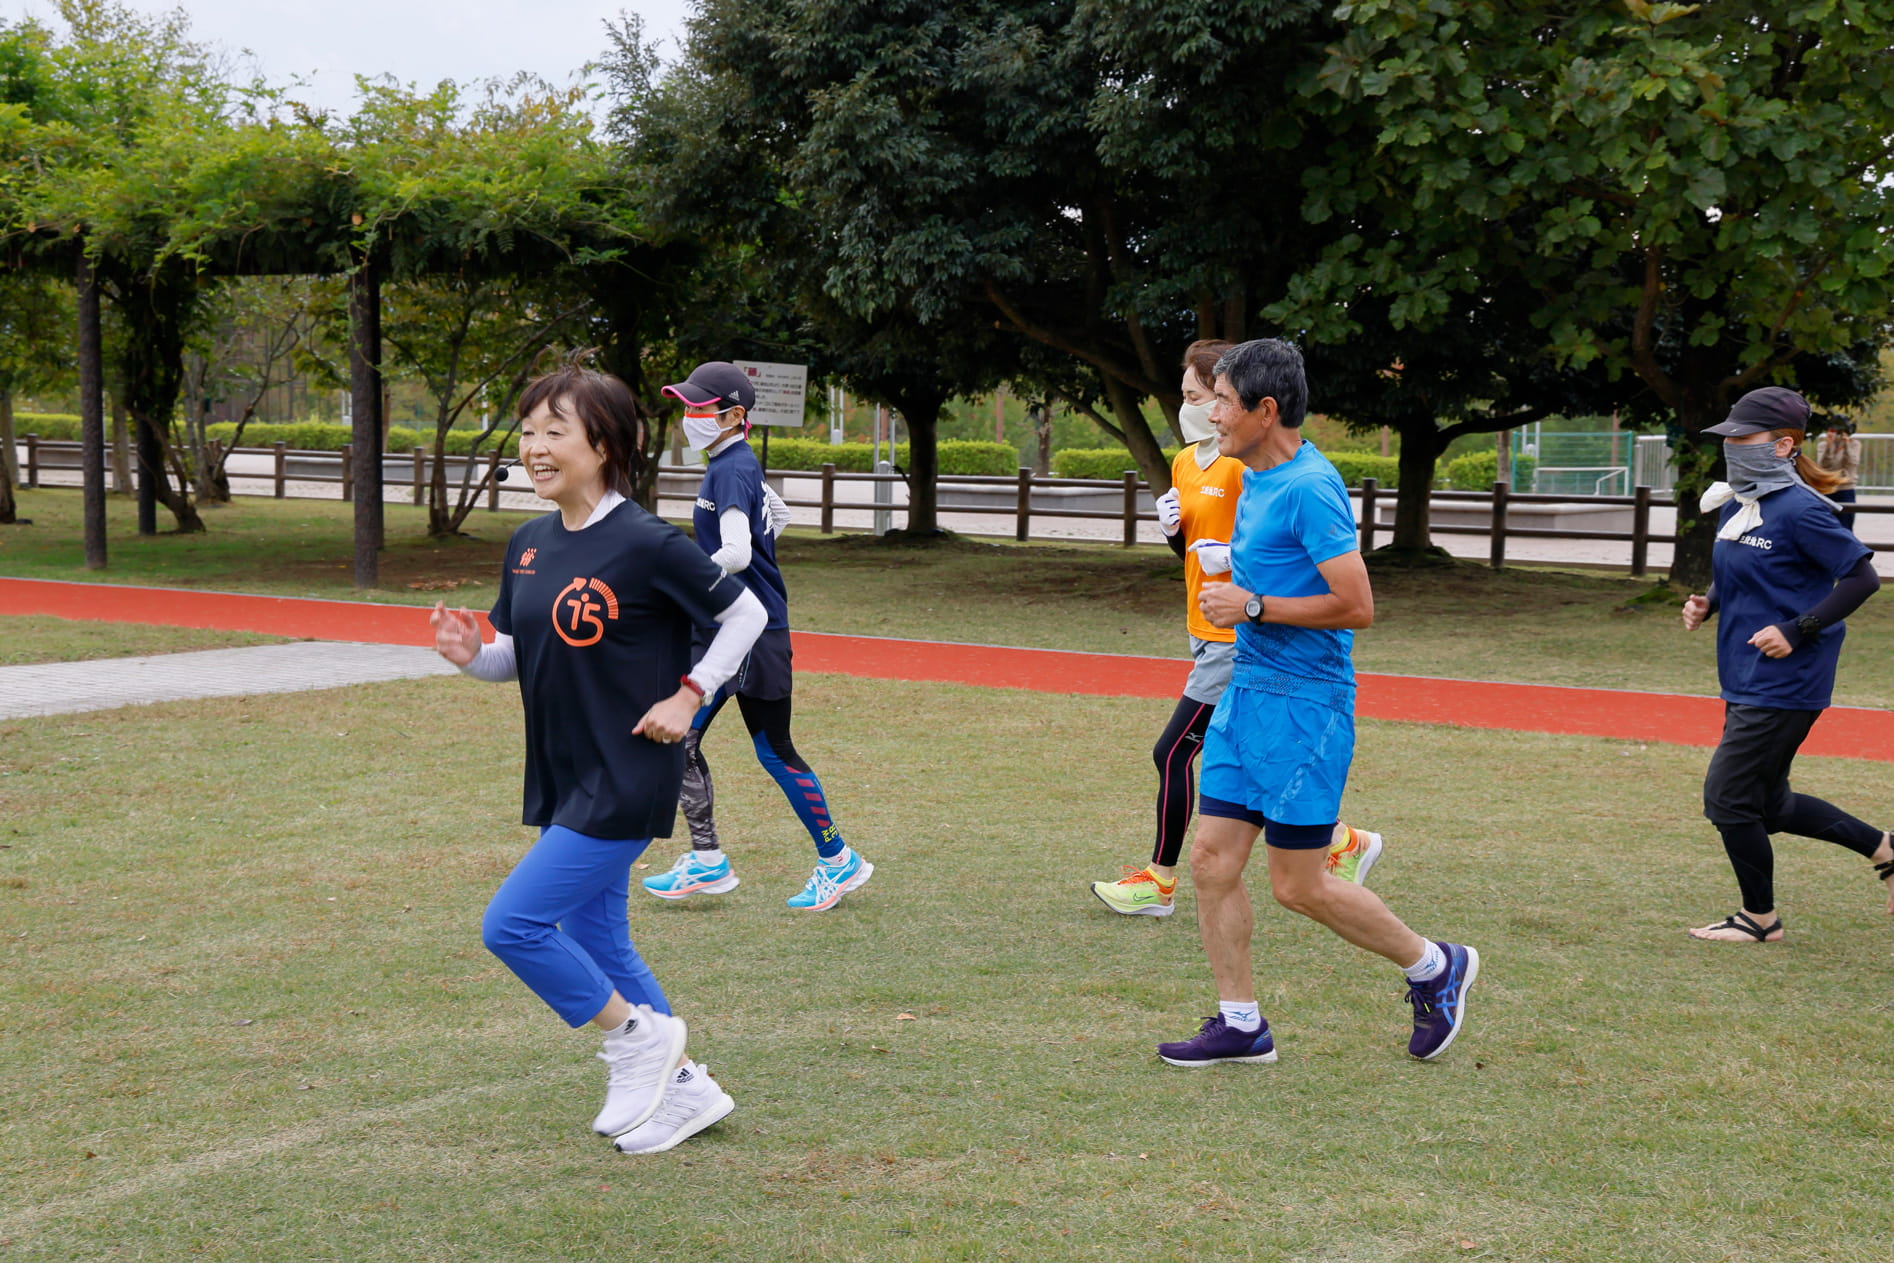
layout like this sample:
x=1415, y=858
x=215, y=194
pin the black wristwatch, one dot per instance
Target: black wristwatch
x=1809, y=625
x=1254, y=608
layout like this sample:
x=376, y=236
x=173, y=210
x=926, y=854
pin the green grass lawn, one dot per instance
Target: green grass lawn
x=248, y=1014
x=40, y=639
x=1524, y=625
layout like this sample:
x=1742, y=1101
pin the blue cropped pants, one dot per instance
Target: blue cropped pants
x=558, y=922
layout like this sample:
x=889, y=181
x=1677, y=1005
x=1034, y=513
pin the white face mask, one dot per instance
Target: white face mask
x=1194, y=420
x=702, y=432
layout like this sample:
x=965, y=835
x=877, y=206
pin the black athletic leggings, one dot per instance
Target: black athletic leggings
x=1746, y=795
x=1176, y=757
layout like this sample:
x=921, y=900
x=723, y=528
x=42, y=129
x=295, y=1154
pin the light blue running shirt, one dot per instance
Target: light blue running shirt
x=1289, y=520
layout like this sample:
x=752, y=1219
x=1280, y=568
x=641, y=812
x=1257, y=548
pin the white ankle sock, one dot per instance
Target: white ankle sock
x=1429, y=967
x=1241, y=1015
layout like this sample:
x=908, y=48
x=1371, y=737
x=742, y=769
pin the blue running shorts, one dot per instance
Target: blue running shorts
x=1286, y=757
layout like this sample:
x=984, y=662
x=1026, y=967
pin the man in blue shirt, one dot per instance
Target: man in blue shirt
x=1276, y=757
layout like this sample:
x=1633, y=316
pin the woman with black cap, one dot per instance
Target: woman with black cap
x=732, y=523
x=1785, y=572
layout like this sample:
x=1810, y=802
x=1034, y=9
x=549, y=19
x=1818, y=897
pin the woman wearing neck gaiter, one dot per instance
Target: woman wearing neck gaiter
x=1785, y=572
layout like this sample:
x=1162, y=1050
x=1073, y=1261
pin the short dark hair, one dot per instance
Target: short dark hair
x=603, y=405
x=1268, y=368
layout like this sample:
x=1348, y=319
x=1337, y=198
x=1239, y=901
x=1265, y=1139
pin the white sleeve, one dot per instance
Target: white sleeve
x=733, y=544
x=737, y=629
x=777, y=511
x=496, y=663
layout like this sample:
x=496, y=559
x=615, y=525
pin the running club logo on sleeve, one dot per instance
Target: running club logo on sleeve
x=576, y=610
x=526, y=562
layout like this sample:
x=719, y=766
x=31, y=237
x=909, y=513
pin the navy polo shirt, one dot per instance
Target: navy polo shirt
x=734, y=480
x=1772, y=575
x=601, y=621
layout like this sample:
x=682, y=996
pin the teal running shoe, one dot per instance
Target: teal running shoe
x=830, y=882
x=692, y=876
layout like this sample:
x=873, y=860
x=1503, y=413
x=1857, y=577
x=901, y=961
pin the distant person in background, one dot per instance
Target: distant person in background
x=733, y=523
x=1785, y=572
x=1200, y=508
x=1839, y=452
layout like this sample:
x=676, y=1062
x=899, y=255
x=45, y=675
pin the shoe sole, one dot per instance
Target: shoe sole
x=721, y=886
x=679, y=1036
x=854, y=883
x=1149, y=910
x=1368, y=856
x=1473, y=971
x=716, y=1113
x=1259, y=1059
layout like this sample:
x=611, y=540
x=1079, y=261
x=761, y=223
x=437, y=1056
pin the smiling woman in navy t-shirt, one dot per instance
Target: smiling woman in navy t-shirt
x=1785, y=572
x=598, y=603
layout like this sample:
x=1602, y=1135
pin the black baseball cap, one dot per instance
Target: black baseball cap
x=1771, y=408
x=719, y=382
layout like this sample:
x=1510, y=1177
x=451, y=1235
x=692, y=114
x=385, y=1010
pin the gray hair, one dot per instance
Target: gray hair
x=1268, y=368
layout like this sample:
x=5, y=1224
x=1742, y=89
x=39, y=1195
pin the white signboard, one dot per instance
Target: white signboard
x=781, y=391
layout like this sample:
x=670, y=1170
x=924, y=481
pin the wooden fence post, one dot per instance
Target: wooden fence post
x=1022, y=522
x=420, y=469
x=1500, y=492
x=32, y=460
x=828, y=497
x=1131, y=507
x=282, y=463
x=1640, y=531
x=493, y=481
x=348, y=471
x=1368, y=487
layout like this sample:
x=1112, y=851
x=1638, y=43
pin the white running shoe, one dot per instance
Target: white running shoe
x=693, y=1103
x=639, y=1064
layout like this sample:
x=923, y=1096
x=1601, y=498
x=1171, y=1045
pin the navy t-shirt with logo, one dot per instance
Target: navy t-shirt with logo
x=734, y=480
x=601, y=621
x=1773, y=575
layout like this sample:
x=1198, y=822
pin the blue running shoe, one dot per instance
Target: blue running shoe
x=691, y=875
x=830, y=882
x=1219, y=1042
x=1441, y=1004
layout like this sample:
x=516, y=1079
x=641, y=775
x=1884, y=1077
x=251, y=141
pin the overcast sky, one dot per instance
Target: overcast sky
x=329, y=42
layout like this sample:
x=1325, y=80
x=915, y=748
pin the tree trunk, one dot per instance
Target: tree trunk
x=1699, y=460
x=91, y=412
x=1420, y=451
x=922, y=413
x=1143, y=445
x=155, y=309
x=366, y=403
x=121, y=448
x=9, y=461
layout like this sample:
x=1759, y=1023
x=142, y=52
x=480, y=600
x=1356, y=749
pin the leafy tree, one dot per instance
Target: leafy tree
x=36, y=320
x=1694, y=195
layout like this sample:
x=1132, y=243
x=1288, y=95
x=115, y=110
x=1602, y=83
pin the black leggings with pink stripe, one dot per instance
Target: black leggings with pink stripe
x=1176, y=757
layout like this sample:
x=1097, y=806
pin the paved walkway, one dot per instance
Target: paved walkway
x=393, y=642
x=63, y=688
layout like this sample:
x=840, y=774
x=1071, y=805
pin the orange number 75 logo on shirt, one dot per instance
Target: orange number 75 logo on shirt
x=575, y=611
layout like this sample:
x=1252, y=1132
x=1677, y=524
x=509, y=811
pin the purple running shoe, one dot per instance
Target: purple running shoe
x=1440, y=1005
x=1219, y=1042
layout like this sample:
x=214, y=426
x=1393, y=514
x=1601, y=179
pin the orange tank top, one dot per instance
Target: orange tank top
x=1206, y=504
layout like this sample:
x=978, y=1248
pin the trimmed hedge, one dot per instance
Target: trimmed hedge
x=315, y=436
x=1477, y=471
x=957, y=456
x=1354, y=466
x=1108, y=463
x=48, y=425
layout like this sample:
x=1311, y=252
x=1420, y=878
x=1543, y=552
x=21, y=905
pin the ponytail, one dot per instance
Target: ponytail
x=1825, y=481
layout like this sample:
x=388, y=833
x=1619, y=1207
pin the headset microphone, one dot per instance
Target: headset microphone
x=500, y=473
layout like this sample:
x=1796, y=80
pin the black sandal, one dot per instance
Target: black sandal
x=1744, y=922
x=1886, y=870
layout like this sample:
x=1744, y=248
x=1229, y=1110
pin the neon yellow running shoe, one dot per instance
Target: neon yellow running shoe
x=1137, y=894
x=1351, y=858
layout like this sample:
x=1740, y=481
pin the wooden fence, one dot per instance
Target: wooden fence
x=1504, y=514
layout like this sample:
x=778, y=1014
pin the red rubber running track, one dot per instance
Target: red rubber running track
x=1843, y=732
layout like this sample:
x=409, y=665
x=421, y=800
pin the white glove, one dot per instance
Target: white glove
x=776, y=510
x=1169, y=514
x=1213, y=555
